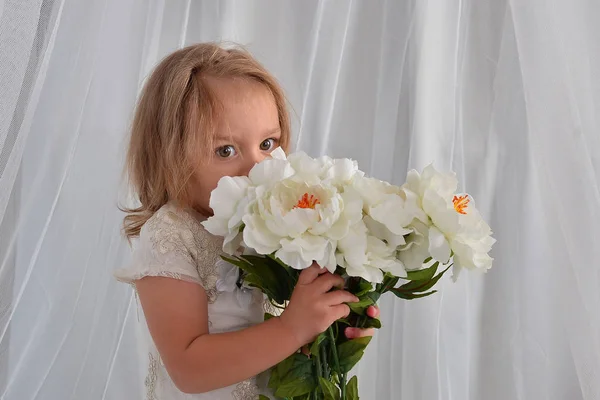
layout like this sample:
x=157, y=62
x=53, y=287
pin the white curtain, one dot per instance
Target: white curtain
x=505, y=92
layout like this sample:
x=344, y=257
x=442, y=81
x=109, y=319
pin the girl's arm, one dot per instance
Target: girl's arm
x=177, y=316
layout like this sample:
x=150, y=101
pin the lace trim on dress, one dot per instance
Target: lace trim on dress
x=268, y=307
x=193, y=243
x=151, y=378
x=245, y=390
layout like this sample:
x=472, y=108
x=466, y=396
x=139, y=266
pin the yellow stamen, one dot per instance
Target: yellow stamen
x=307, y=201
x=461, y=203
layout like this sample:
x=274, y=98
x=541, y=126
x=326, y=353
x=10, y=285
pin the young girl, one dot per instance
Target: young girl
x=207, y=112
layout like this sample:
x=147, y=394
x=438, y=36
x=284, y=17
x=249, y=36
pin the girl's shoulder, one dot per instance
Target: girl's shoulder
x=174, y=243
x=179, y=230
x=174, y=226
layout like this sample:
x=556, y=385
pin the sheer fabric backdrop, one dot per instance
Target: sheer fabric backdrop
x=504, y=92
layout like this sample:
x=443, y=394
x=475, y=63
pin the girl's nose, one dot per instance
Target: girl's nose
x=251, y=159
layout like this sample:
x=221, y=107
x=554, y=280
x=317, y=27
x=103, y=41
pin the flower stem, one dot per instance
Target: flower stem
x=336, y=362
x=317, y=362
x=361, y=321
x=325, y=361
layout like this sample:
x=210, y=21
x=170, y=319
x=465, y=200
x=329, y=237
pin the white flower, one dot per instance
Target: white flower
x=233, y=196
x=324, y=210
x=336, y=172
x=454, y=225
x=271, y=170
x=388, y=209
x=296, y=207
x=229, y=202
x=364, y=255
x=300, y=222
x=472, y=243
x=416, y=249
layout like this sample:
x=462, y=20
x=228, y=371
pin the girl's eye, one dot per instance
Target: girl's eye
x=226, y=151
x=267, y=144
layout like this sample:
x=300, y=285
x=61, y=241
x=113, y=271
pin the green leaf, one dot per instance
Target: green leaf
x=372, y=323
x=423, y=274
x=422, y=286
x=263, y=397
x=266, y=274
x=352, y=389
x=274, y=378
x=285, y=366
x=330, y=391
x=361, y=306
x=296, y=387
x=261, y=283
x=362, y=288
x=237, y=262
x=295, y=376
x=366, y=300
x=340, y=271
x=410, y=296
x=389, y=281
x=350, y=352
x=275, y=269
x=314, y=347
x=292, y=273
x=374, y=296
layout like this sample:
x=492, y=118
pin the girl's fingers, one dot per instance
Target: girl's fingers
x=328, y=281
x=338, y=297
x=310, y=274
x=373, y=312
x=353, y=333
x=340, y=311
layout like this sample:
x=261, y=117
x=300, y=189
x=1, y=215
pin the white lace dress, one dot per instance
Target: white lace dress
x=174, y=244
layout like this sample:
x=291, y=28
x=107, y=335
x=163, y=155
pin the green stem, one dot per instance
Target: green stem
x=317, y=362
x=336, y=362
x=325, y=362
x=361, y=321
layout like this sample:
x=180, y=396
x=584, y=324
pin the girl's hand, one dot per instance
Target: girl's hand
x=353, y=333
x=312, y=307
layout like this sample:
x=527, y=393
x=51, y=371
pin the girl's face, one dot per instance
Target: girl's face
x=247, y=131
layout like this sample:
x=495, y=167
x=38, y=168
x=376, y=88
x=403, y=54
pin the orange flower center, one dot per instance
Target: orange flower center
x=461, y=203
x=307, y=201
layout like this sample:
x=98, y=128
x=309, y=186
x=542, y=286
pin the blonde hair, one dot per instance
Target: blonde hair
x=177, y=112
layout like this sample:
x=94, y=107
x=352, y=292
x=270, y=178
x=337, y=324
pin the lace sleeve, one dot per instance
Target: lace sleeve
x=174, y=244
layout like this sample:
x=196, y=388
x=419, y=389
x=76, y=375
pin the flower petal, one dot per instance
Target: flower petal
x=216, y=226
x=391, y=213
x=270, y=171
x=225, y=197
x=258, y=237
x=439, y=248
x=278, y=154
x=368, y=273
x=300, y=252
x=341, y=170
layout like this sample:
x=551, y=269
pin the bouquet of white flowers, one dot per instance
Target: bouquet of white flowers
x=296, y=210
